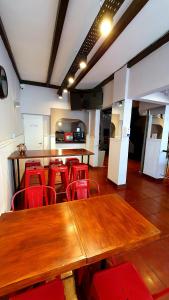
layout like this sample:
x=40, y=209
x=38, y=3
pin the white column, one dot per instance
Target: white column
x=94, y=128
x=118, y=148
x=155, y=159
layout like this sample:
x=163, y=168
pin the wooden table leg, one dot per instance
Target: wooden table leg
x=88, y=158
x=18, y=170
x=14, y=178
x=82, y=158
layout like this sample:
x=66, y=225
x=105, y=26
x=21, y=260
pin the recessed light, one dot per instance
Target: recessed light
x=105, y=27
x=71, y=80
x=82, y=65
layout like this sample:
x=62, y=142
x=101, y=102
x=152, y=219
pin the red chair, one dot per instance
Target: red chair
x=49, y=291
x=63, y=171
x=82, y=189
x=56, y=162
x=32, y=163
x=34, y=196
x=122, y=282
x=35, y=173
x=80, y=171
x=71, y=162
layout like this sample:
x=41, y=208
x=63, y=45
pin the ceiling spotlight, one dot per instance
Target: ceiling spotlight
x=83, y=62
x=105, y=26
x=71, y=79
x=60, y=94
x=65, y=91
x=120, y=104
x=82, y=65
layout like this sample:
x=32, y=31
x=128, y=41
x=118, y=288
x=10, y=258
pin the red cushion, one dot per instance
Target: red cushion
x=119, y=283
x=49, y=291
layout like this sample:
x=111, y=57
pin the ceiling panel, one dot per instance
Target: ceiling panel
x=150, y=24
x=29, y=25
x=79, y=18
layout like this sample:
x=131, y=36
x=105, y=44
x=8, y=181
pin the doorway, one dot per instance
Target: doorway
x=138, y=135
x=105, y=133
x=33, y=131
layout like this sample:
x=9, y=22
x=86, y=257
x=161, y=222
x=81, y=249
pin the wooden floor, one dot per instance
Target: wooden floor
x=151, y=199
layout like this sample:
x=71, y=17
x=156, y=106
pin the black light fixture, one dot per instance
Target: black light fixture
x=60, y=94
x=83, y=61
x=71, y=79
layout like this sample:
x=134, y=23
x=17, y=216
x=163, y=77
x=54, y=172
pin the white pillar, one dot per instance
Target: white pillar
x=155, y=159
x=118, y=148
x=94, y=129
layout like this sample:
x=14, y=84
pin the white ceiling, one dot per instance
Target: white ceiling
x=79, y=18
x=29, y=25
x=150, y=24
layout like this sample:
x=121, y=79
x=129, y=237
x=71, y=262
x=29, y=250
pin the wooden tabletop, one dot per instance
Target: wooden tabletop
x=49, y=153
x=108, y=225
x=36, y=244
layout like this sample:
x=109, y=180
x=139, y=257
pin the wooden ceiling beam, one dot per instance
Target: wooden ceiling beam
x=154, y=46
x=60, y=18
x=141, y=55
x=8, y=48
x=126, y=18
x=41, y=84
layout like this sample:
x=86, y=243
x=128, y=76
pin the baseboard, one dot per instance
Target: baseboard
x=117, y=186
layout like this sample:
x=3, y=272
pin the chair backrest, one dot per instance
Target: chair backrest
x=33, y=196
x=82, y=189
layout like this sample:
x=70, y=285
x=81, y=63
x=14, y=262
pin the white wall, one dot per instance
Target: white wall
x=10, y=118
x=150, y=74
x=11, y=130
x=108, y=94
x=40, y=100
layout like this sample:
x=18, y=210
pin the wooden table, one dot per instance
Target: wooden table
x=43, y=242
x=36, y=244
x=108, y=225
x=44, y=154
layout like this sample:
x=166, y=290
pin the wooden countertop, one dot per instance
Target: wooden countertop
x=49, y=153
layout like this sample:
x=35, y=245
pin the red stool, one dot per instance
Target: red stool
x=36, y=172
x=50, y=291
x=32, y=163
x=71, y=162
x=121, y=282
x=80, y=171
x=63, y=171
x=55, y=162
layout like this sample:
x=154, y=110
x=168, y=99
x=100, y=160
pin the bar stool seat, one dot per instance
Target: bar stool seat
x=32, y=163
x=37, y=172
x=63, y=171
x=56, y=162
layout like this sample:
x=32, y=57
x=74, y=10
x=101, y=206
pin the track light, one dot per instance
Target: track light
x=106, y=26
x=83, y=62
x=60, y=94
x=71, y=79
x=65, y=91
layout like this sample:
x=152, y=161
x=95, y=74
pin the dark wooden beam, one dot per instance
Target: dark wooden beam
x=36, y=83
x=8, y=48
x=60, y=17
x=126, y=18
x=154, y=46
x=105, y=81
